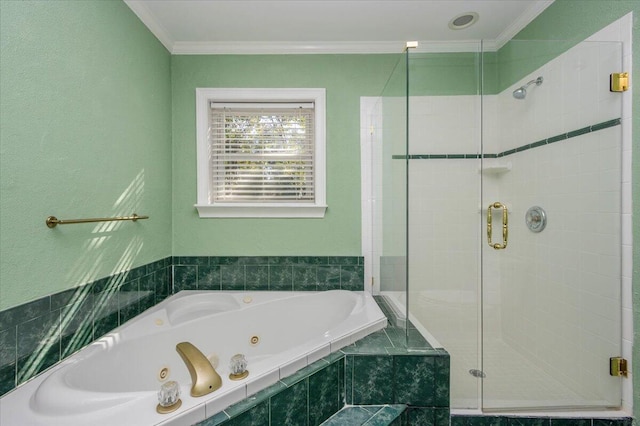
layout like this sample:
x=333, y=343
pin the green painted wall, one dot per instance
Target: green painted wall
x=450, y=74
x=346, y=78
x=85, y=131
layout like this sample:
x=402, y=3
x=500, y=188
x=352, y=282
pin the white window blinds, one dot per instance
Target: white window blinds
x=261, y=153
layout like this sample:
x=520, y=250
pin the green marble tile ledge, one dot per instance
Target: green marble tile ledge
x=369, y=415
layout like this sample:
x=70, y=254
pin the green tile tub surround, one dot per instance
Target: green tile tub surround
x=327, y=390
x=367, y=379
x=428, y=416
x=313, y=396
x=36, y=335
x=308, y=397
x=256, y=416
x=525, y=147
x=333, y=381
x=397, y=379
x=291, y=406
x=275, y=273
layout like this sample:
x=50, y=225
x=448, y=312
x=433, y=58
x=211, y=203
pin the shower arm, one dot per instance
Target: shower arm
x=537, y=81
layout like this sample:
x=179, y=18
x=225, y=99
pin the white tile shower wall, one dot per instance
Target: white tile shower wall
x=444, y=227
x=444, y=124
x=444, y=203
x=572, y=269
x=575, y=93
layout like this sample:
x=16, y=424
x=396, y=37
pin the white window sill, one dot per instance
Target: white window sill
x=261, y=211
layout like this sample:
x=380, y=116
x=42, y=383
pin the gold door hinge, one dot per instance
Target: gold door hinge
x=618, y=367
x=619, y=82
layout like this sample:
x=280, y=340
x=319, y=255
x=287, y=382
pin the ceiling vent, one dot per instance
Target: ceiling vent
x=464, y=20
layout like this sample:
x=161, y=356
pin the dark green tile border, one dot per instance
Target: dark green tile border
x=552, y=139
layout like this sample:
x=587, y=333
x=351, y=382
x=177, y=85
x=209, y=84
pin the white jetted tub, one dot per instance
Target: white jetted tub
x=114, y=381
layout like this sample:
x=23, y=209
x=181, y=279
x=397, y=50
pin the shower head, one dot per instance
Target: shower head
x=521, y=92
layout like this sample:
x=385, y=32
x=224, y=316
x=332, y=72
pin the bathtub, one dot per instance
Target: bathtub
x=114, y=381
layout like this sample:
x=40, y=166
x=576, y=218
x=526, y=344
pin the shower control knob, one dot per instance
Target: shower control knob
x=536, y=219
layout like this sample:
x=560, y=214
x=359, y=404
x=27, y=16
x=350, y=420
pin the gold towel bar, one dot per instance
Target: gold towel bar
x=52, y=221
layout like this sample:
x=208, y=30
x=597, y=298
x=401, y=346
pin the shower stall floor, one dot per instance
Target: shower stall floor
x=512, y=381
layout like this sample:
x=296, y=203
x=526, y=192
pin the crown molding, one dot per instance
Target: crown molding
x=320, y=47
x=149, y=20
x=453, y=46
x=523, y=20
x=284, y=48
x=355, y=47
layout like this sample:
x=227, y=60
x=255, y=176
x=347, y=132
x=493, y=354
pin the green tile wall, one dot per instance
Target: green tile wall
x=275, y=273
x=36, y=335
x=308, y=397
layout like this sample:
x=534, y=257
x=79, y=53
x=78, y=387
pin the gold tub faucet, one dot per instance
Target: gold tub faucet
x=204, y=378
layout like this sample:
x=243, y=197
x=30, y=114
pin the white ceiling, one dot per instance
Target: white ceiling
x=330, y=26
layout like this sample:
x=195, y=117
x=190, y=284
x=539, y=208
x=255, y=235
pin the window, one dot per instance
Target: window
x=261, y=152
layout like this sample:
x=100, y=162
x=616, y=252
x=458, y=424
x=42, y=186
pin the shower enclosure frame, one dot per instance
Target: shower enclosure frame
x=368, y=135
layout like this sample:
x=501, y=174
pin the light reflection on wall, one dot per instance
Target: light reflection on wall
x=87, y=306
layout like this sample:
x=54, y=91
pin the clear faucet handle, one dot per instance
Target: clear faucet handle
x=238, y=367
x=169, y=397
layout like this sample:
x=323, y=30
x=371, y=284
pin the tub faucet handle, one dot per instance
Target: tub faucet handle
x=169, y=397
x=238, y=367
x=204, y=378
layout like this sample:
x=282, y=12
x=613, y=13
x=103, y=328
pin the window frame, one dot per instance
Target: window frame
x=210, y=209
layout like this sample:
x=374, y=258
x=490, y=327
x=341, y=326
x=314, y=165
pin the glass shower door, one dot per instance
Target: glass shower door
x=388, y=141
x=551, y=213
x=444, y=200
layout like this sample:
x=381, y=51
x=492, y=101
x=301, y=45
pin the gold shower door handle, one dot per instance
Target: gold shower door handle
x=505, y=225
